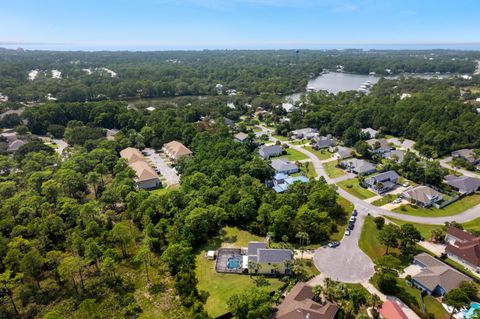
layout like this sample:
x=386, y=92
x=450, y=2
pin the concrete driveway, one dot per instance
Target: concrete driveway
x=160, y=164
x=347, y=262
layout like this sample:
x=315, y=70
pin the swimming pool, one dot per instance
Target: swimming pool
x=474, y=306
x=234, y=262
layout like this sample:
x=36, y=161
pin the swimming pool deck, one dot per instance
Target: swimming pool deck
x=223, y=256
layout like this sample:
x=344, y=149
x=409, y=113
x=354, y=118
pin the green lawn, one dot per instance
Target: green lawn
x=332, y=170
x=353, y=187
x=294, y=155
x=163, y=191
x=348, y=207
x=322, y=155
x=300, y=142
x=384, y=200
x=308, y=170
x=425, y=230
x=52, y=145
x=281, y=138
x=449, y=210
x=218, y=288
x=473, y=225
x=369, y=242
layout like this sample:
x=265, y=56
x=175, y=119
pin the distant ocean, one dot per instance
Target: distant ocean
x=81, y=47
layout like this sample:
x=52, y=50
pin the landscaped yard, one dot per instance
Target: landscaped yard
x=281, y=138
x=308, y=170
x=322, y=155
x=384, y=200
x=455, y=208
x=217, y=288
x=332, y=170
x=294, y=155
x=353, y=187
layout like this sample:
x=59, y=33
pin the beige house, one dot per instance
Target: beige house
x=145, y=175
x=176, y=150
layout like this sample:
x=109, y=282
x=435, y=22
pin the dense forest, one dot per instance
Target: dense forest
x=88, y=75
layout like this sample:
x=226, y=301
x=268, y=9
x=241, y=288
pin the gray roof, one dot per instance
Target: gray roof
x=344, y=152
x=241, y=136
x=274, y=255
x=283, y=165
x=437, y=273
x=272, y=150
x=358, y=165
x=423, y=194
x=383, y=144
x=15, y=145
x=382, y=177
x=304, y=131
x=398, y=153
x=467, y=154
x=464, y=184
x=253, y=246
x=324, y=143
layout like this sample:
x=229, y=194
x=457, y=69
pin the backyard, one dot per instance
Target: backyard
x=294, y=155
x=217, y=288
x=453, y=209
x=322, y=155
x=332, y=170
x=353, y=187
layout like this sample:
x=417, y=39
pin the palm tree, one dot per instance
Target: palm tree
x=317, y=293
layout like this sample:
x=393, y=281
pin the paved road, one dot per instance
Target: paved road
x=165, y=170
x=61, y=145
x=347, y=262
x=444, y=161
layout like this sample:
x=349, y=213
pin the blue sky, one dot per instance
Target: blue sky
x=238, y=23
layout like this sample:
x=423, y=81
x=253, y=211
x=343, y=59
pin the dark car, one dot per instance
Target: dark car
x=354, y=213
x=351, y=226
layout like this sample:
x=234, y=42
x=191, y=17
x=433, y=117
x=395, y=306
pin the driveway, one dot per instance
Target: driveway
x=160, y=164
x=347, y=262
x=443, y=162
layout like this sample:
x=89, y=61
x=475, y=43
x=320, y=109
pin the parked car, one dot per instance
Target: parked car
x=406, y=184
x=347, y=232
x=354, y=213
x=333, y=244
x=351, y=226
x=353, y=219
x=397, y=201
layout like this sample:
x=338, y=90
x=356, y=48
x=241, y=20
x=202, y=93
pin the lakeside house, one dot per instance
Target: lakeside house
x=358, y=166
x=146, y=177
x=465, y=185
x=301, y=303
x=267, y=151
x=435, y=277
x=422, y=196
x=176, y=150
x=464, y=248
x=382, y=182
x=288, y=107
x=283, y=165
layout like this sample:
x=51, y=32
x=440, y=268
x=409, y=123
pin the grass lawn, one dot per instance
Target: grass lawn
x=322, y=155
x=384, y=200
x=308, y=170
x=353, y=187
x=281, y=138
x=332, y=170
x=473, y=225
x=369, y=240
x=294, y=155
x=217, y=288
x=424, y=229
x=163, y=191
x=300, y=142
x=52, y=145
x=449, y=210
x=348, y=207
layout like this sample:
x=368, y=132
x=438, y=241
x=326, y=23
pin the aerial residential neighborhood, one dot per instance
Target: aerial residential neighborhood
x=242, y=159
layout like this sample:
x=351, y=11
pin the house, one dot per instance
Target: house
x=176, y=150
x=240, y=137
x=228, y=121
x=145, y=176
x=300, y=303
x=369, y=132
x=421, y=195
x=435, y=277
x=344, y=152
x=464, y=248
x=13, y=142
x=267, y=151
x=283, y=165
x=382, y=182
x=304, y=133
x=263, y=260
x=288, y=107
x=358, y=166
x=323, y=143
x=395, y=155
x=391, y=310
x=379, y=146
x=463, y=184
x=281, y=182
x=466, y=154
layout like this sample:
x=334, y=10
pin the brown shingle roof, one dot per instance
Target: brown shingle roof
x=460, y=234
x=177, y=149
x=467, y=247
x=298, y=304
x=138, y=163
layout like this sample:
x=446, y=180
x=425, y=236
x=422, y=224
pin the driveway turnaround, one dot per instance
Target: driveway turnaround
x=347, y=262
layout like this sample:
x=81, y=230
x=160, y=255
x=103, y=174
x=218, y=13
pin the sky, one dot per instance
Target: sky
x=200, y=24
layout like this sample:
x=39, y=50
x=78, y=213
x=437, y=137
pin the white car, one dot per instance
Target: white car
x=353, y=219
x=347, y=232
x=397, y=201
